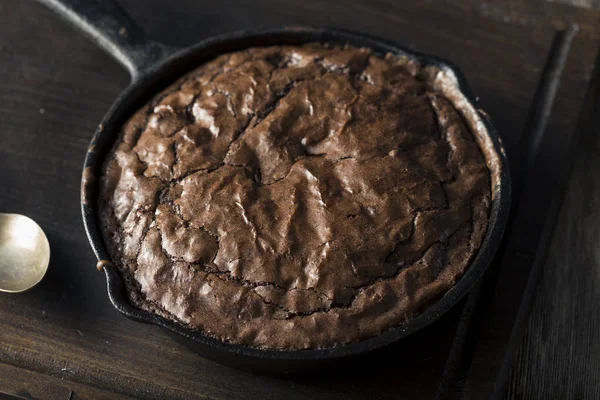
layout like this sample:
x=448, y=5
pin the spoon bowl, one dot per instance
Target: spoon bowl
x=24, y=253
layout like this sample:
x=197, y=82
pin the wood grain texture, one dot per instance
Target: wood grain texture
x=559, y=355
x=54, y=88
x=580, y=3
x=543, y=184
x=25, y=384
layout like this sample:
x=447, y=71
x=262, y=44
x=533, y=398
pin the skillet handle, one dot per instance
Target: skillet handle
x=113, y=30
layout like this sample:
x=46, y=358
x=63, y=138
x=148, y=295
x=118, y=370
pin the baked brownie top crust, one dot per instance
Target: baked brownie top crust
x=296, y=197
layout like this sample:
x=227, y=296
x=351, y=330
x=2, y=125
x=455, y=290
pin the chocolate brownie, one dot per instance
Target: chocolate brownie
x=298, y=197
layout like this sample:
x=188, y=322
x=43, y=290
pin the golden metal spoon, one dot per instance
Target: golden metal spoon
x=24, y=253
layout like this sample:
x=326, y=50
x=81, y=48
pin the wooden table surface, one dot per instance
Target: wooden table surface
x=559, y=354
x=63, y=339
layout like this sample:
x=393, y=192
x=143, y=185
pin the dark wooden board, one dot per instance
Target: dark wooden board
x=25, y=384
x=559, y=355
x=535, y=215
x=54, y=88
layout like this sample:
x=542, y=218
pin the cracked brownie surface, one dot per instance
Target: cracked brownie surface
x=295, y=197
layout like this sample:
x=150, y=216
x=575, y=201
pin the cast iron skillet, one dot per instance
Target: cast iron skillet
x=153, y=66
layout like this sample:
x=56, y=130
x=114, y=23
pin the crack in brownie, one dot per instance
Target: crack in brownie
x=295, y=197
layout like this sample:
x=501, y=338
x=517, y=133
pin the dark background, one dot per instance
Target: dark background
x=64, y=340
